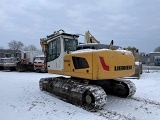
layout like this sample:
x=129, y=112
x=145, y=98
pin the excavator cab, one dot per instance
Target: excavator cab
x=56, y=46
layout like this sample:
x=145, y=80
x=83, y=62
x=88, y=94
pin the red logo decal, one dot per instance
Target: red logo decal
x=105, y=67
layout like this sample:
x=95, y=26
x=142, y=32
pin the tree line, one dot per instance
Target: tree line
x=18, y=45
x=157, y=49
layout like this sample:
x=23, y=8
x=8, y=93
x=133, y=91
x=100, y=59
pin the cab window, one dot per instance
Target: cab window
x=54, y=49
x=70, y=44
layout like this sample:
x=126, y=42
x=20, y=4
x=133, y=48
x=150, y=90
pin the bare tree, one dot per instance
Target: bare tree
x=25, y=48
x=31, y=47
x=15, y=45
x=157, y=49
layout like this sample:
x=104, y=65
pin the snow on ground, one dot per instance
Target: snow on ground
x=21, y=99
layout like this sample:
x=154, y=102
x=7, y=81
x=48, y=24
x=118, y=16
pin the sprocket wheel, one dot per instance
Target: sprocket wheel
x=121, y=90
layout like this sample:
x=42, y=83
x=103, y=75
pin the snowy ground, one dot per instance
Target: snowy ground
x=21, y=99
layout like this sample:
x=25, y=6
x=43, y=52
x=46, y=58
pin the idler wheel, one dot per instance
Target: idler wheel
x=89, y=100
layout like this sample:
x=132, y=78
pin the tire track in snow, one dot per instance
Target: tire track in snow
x=130, y=108
x=113, y=115
x=145, y=100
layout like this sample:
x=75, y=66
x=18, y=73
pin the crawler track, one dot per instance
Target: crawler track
x=83, y=93
x=75, y=91
x=118, y=87
x=131, y=88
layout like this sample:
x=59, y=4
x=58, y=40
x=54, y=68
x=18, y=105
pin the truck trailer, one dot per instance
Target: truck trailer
x=26, y=62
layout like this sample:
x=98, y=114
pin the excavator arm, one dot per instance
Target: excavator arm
x=44, y=45
x=90, y=38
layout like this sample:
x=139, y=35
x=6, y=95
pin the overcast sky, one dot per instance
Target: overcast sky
x=127, y=22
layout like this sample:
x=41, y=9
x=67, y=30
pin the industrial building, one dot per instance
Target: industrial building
x=152, y=55
x=9, y=53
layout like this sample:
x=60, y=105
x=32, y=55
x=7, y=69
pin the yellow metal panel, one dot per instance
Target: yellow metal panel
x=80, y=73
x=88, y=57
x=73, y=74
x=95, y=66
x=67, y=63
x=114, y=64
x=59, y=72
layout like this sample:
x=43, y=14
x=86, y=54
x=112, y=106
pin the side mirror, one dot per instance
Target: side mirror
x=112, y=42
x=137, y=50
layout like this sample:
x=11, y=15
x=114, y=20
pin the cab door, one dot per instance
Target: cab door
x=55, y=54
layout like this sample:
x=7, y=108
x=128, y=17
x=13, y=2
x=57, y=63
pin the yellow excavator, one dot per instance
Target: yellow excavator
x=88, y=75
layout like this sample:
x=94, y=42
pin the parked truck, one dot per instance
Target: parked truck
x=40, y=64
x=1, y=64
x=8, y=64
x=157, y=60
x=26, y=62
